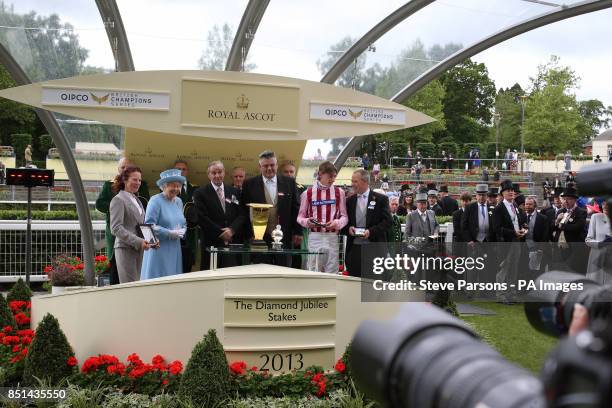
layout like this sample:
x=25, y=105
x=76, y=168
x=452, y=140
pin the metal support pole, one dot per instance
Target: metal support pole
x=522, y=130
x=29, y=238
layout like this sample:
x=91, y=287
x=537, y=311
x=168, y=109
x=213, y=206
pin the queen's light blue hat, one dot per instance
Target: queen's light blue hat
x=168, y=176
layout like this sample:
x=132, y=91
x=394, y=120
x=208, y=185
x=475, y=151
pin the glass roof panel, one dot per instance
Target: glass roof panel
x=173, y=35
x=422, y=40
x=293, y=35
x=432, y=34
x=52, y=39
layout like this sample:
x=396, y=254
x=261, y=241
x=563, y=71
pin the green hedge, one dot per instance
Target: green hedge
x=488, y=150
x=45, y=215
x=448, y=147
x=426, y=149
x=469, y=146
x=20, y=141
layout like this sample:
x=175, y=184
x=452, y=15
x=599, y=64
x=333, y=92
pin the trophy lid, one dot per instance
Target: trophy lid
x=259, y=205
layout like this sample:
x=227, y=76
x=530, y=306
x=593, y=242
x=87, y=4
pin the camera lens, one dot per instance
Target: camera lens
x=426, y=358
x=550, y=311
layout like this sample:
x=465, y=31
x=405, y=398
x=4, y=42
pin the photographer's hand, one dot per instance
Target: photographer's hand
x=580, y=319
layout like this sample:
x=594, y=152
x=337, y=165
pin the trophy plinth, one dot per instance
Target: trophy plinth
x=258, y=214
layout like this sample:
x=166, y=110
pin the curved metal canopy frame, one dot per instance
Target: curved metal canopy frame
x=249, y=23
x=115, y=30
x=50, y=123
x=541, y=20
x=371, y=36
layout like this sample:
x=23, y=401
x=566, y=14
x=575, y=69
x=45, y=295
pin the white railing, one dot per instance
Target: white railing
x=49, y=239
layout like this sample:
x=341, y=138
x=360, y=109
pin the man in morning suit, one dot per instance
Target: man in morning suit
x=537, y=238
x=220, y=215
x=449, y=204
x=476, y=223
x=508, y=225
x=367, y=211
x=280, y=191
x=570, y=232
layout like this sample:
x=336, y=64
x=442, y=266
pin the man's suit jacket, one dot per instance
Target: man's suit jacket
x=575, y=230
x=551, y=214
x=212, y=218
x=469, y=223
x=288, y=205
x=378, y=218
x=457, y=232
x=449, y=205
x=436, y=208
x=541, y=228
x=414, y=225
x=502, y=223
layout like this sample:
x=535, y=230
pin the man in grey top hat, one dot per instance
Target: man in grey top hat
x=476, y=222
x=432, y=202
x=422, y=222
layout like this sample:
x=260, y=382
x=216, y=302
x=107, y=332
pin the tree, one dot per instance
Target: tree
x=48, y=354
x=596, y=117
x=219, y=44
x=468, y=102
x=53, y=50
x=14, y=117
x=206, y=380
x=508, y=106
x=352, y=77
x=553, y=121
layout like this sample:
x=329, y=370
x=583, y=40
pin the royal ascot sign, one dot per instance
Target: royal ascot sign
x=346, y=113
x=219, y=104
x=105, y=98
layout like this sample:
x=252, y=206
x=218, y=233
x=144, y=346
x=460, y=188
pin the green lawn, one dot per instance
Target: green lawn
x=510, y=333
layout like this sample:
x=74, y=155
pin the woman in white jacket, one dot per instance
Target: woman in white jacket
x=599, y=228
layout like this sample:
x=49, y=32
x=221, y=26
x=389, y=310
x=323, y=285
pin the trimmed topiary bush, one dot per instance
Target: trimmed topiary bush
x=19, y=291
x=20, y=141
x=6, y=316
x=206, y=380
x=48, y=354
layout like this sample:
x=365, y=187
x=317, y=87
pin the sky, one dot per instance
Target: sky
x=294, y=34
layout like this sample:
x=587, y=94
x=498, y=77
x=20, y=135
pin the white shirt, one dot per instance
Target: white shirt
x=134, y=200
x=512, y=211
x=362, y=200
x=270, y=186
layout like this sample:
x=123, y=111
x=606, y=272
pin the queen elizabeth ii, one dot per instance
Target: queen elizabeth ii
x=165, y=212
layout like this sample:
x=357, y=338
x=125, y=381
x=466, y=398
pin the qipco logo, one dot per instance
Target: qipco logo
x=74, y=97
x=336, y=112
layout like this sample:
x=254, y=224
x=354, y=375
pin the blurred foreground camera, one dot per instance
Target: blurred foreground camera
x=426, y=358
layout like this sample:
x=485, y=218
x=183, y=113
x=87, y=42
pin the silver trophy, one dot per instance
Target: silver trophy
x=277, y=238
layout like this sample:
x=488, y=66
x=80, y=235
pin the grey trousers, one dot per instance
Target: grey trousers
x=129, y=263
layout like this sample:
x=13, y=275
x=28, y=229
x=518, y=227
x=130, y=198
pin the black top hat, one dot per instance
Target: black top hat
x=444, y=189
x=431, y=186
x=506, y=185
x=557, y=191
x=493, y=192
x=519, y=200
x=569, y=192
x=405, y=187
x=516, y=187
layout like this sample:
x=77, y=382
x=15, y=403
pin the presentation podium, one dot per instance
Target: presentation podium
x=272, y=317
